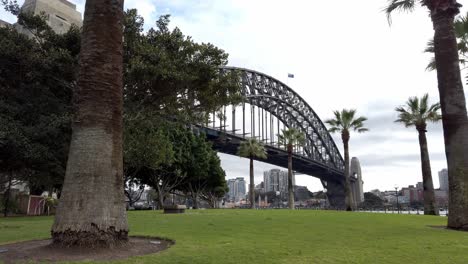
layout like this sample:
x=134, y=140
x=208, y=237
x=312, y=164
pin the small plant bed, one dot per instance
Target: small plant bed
x=43, y=251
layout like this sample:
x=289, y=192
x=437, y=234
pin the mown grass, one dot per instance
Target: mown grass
x=280, y=236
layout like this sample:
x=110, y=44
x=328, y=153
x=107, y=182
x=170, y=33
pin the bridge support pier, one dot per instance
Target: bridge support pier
x=335, y=194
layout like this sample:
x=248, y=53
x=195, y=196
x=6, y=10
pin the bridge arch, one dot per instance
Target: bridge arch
x=319, y=157
x=280, y=100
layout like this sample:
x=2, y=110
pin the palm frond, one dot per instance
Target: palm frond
x=430, y=46
x=291, y=136
x=362, y=130
x=417, y=111
x=431, y=66
x=398, y=5
x=252, y=148
x=346, y=120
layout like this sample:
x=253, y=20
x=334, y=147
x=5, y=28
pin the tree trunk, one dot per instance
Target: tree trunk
x=195, y=200
x=6, y=198
x=454, y=114
x=160, y=197
x=252, y=185
x=348, y=196
x=430, y=207
x=290, y=178
x=91, y=211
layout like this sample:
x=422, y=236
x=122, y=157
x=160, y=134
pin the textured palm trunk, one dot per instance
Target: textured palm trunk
x=290, y=178
x=430, y=207
x=348, y=196
x=91, y=211
x=251, y=186
x=454, y=114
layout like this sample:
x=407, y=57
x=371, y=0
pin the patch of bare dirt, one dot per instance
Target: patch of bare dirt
x=43, y=251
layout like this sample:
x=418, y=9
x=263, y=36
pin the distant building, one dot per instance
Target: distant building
x=60, y=14
x=356, y=186
x=276, y=180
x=413, y=194
x=236, y=189
x=443, y=180
x=4, y=23
x=441, y=198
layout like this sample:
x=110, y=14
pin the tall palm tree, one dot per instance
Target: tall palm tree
x=452, y=101
x=343, y=123
x=291, y=138
x=461, y=32
x=91, y=210
x=251, y=149
x=417, y=113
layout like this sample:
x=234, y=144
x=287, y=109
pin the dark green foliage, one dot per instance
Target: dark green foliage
x=169, y=157
x=166, y=74
x=169, y=73
x=35, y=101
x=372, y=201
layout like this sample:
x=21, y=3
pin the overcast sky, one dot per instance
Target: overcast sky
x=343, y=54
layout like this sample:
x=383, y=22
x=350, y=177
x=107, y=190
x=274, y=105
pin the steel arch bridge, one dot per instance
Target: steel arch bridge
x=269, y=107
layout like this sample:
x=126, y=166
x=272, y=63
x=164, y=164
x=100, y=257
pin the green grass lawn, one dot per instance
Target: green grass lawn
x=280, y=236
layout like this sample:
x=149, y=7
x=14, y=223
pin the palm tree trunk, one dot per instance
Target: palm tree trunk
x=251, y=186
x=454, y=114
x=348, y=197
x=430, y=207
x=91, y=210
x=290, y=178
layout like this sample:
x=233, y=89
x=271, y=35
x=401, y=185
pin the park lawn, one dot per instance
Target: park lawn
x=280, y=236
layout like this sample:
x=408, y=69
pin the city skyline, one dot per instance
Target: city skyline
x=389, y=153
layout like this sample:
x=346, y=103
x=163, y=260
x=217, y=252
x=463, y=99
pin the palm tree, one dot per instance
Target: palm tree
x=461, y=32
x=344, y=122
x=417, y=113
x=452, y=100
x=91, y=210
x=291, y=138
x=251, y=149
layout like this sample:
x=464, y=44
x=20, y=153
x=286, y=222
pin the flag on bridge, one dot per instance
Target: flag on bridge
x=290, y=75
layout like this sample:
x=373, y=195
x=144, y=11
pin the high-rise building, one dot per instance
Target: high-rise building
x=60, y=14
x=356, y=186
x=276, y=180
x=443, y=180
x=236, y=189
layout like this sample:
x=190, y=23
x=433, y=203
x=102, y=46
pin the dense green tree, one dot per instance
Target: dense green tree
x=91, y=211
x=252, y=148
x=216, y=186
x=452, y=100
x=35, y=95
x=372, y=201
x=291, y=138
x=171, y=74
x=149, y=155
x=343, y=123
x=198, y=168
x=417, y=112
